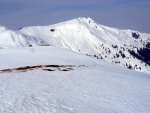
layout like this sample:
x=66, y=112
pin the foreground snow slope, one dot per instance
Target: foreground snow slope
x=98, y=87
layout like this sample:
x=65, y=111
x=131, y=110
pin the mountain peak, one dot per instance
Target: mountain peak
x=87, y=19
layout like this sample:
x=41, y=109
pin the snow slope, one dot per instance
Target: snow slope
x=9, y=38
x=97, y=87
x=122, y=47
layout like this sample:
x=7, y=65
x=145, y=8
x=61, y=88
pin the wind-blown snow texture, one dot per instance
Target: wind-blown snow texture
x=123, y=47
x=97, y=87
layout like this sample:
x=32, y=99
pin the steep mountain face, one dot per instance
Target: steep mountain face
x=122, y=47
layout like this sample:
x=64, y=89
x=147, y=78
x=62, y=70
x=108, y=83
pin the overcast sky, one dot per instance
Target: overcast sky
x=124, y=14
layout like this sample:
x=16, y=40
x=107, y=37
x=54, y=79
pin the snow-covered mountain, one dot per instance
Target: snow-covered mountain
x=47, y=69
x=123, y=47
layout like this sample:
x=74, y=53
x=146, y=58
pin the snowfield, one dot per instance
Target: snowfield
x=92, y=86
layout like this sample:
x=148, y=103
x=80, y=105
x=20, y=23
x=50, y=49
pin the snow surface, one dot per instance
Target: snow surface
x=85, y=36
x=100, y=87
x=11, y=38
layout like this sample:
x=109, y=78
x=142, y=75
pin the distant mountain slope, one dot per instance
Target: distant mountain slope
x=123, y=47
x=9, y=38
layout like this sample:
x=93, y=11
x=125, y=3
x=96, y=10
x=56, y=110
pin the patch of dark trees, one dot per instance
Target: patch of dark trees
x=30, y=45
x=135, y=35
x=142, y=54
x=129, y=66
x=148, y=45
x=122, y=54
x=115, y=46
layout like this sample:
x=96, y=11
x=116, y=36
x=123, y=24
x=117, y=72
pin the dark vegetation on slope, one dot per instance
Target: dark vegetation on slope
x=142, y=54
x=135, y=35
x=148, y=45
